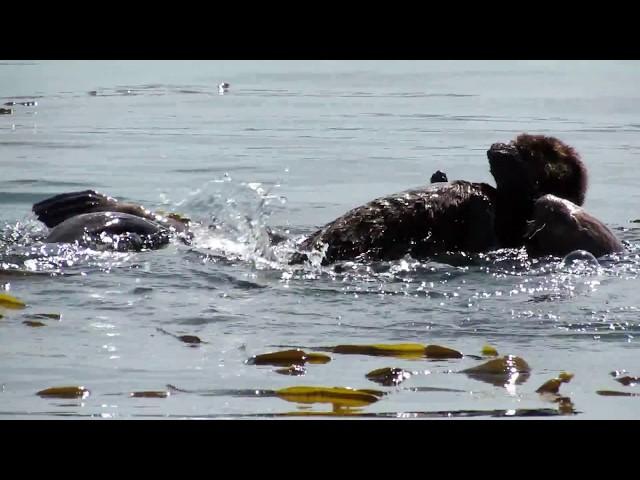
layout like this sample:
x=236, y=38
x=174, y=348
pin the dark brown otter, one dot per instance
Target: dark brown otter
x=457, y=216
x=560, y=227
x=90, y=217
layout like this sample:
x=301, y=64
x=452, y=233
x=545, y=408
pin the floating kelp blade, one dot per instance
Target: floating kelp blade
x=612, y=393
x=489, y=351
x=150, y=394
x=9, y=301
x=339, y=396
x=317, y=358
x=65, y=392
x=553, y=385
x=436, y=351
x=48, y=316
x=499, y=371
x=401, y=350
x=287, y=358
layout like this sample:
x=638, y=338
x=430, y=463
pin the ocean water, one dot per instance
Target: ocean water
x=292, y=145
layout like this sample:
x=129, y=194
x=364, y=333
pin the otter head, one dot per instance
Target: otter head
x=536, y=165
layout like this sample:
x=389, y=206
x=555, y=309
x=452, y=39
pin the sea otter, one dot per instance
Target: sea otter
x=559, y=227
x=460, y=215
x=92, y=218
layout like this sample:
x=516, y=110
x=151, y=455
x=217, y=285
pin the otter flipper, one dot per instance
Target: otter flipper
x=439, y=177
x=57, y=209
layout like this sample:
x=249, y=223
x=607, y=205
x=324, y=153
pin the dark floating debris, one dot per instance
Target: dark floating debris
x=34, y=323
x=191, y=340
x=65, y=392
x=628, y=381
x=295, y=370
x=613, y=393
x=6, y=111
x=553, y=385
x=388, y=377
x=150, y=394
x=24, y=104
x=48, y=316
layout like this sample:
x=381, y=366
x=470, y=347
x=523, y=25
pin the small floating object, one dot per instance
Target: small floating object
x=34, y=323
x=191, y=339
x=65, y=392
x=6, y=111
x=613, y=393
x=223, y=88
x=403, y=350
x=150, y=394
x=388, y=377
x=565, y=406
x=339, y=396
x=52, y=316
x=9, y=301
x=24, y=104
x=295, y=370
x=553, y=385
x=628, y=381
x=436, y=351
x=499, y=371
x=489, y=351
x=288, y=357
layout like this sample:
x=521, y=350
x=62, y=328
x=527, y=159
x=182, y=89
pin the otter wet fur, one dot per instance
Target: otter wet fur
x=460, y=215
x=88, y=217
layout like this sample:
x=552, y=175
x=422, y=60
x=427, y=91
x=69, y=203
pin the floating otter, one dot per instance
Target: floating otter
x=457, y=216
x=92, y=218
x=559, y=227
